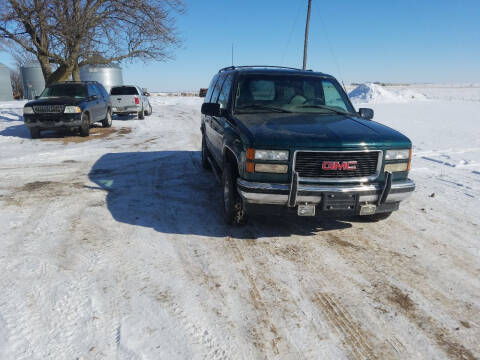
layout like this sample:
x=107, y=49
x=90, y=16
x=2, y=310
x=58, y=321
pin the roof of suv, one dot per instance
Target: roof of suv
x=262, y=69
x=75, y=82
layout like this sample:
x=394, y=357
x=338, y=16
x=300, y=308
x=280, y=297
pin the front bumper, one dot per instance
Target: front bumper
x=280, y=194
x=53, y=121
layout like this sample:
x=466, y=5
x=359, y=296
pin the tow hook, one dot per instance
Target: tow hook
x=386, y=189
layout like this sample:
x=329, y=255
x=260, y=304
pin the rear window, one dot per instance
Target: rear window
x=124, y=90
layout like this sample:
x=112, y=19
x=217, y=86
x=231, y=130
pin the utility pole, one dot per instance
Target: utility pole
x=305, y=46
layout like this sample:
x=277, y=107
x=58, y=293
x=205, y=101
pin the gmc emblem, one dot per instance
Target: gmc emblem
x=336, y=165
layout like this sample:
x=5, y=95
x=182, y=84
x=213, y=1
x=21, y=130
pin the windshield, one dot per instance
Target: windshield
x=124, y=90
x=68, y=90
x=290, y=93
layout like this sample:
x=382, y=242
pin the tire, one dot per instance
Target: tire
x=234, y=212
x=107, y=122
x=141, y=114
x=148, y=113
x=205, y=154
x=375, y=217
x=35, y=133
x=85, y=127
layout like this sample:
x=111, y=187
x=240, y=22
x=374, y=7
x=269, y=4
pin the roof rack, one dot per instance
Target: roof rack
x=260, y=66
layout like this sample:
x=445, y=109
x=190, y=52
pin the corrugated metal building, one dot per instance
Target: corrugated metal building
x=6, y=93
x=33, y=80
x=107, y=75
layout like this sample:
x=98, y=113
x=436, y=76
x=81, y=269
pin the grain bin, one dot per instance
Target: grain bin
x=33, y=80
x=6, y=93
x=107, y=75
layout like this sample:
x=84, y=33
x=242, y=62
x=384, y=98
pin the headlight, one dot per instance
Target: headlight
x=28, y=110
x=398, y=167
x=271, y=168
x=403, y=154
x=72, y=110
x=276, y=155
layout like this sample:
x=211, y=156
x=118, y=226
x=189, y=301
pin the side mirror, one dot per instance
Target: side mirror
x=365, y=113
x=211, y=109
x=37, y=97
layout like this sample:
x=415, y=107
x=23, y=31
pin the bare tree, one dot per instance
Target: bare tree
x=17, y=85
x=71, y=33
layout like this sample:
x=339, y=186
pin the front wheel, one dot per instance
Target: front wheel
x=149, y=112
x=141, y=114
x=234, y=212
x=107, y=122
x=85, y=127
x=35, y=133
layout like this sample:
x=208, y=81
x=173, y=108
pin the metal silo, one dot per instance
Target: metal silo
x=107, y=75
x=33, y=80
x=6, y=93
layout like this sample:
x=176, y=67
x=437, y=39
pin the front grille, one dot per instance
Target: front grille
x=308, y=164
x=49, y=109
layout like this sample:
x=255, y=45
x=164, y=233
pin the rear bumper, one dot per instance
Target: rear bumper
x=132, y=109
x=278, y=194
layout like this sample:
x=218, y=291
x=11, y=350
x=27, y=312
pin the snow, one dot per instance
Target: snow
x=115, y=248
x=373, y=93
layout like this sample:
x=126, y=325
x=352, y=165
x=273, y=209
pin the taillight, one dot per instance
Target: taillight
x=137, y=100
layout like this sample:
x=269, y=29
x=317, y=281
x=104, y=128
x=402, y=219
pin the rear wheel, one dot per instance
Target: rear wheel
x=35, y=133
x=205, y=154
x=85, y=127
x=233, y=209
x=107, y=122
x=141, y=114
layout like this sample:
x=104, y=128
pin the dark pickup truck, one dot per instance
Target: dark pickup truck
x=72, y=105
x=290, y=140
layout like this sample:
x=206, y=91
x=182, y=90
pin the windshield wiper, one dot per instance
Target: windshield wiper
x=263, y=107
x=326, y=108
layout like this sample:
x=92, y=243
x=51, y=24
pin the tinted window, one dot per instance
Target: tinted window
x=294, y=93
x=332, y=96
x=124, y=90
x=225, y=93
x=92, y=90
x=218, y=87
x=68, y=90
x=102, y=91
x=210, y=89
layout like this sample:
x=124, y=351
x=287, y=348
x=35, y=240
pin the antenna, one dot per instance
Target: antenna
x=305, y=45
x=232, y=54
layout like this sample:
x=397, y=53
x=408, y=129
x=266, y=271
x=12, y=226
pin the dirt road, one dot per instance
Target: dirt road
x=116, y=248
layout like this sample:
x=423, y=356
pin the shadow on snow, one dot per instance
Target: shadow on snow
x=170, y=192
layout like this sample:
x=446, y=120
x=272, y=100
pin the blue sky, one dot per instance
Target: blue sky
x=374, y=40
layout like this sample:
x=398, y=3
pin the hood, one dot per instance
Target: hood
x=64, y=100
x=313, y=130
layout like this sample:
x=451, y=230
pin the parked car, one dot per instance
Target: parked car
x=202, y=92
x=290, y=140
x=130, y=99
x=72, y=105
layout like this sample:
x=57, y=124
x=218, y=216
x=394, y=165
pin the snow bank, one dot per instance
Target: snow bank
x=373, y=93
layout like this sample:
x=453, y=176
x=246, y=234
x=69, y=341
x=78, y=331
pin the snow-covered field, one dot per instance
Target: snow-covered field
x=114, y=247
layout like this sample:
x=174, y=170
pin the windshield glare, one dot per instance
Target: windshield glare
x=68, y=90
x=257, y=93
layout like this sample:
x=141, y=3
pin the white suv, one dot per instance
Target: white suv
x=130, y=99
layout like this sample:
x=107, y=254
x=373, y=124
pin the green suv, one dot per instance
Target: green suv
x=290, y=140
